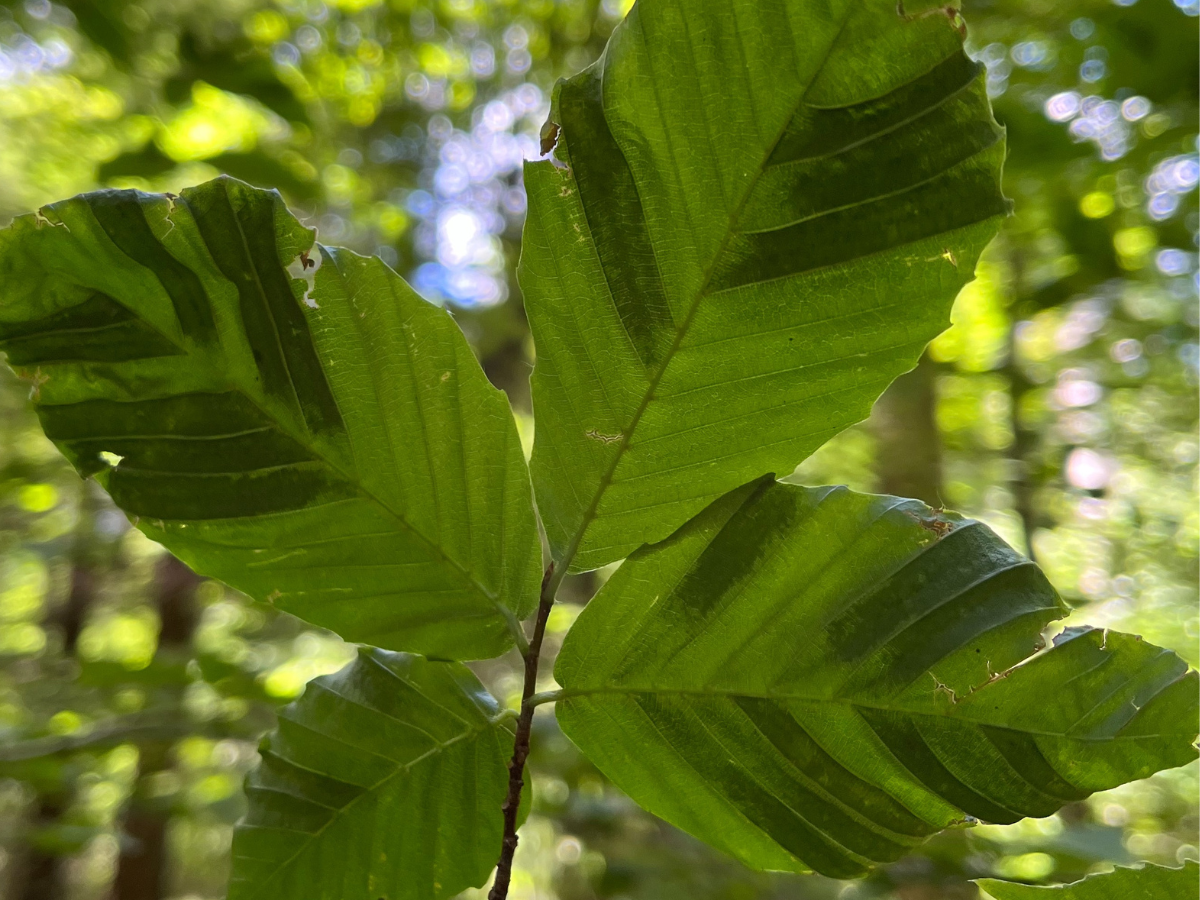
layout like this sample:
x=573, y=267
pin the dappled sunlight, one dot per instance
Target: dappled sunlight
x=683, y=328
x=216, y=122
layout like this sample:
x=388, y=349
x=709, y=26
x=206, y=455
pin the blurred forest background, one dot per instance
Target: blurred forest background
x=1061, y=407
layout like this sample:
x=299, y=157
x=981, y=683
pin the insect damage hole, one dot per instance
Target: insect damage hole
x=169, y=218
x=304, y=268
x=549, y=137
x=943, y=689
x=42, y=220
x=603, y=438
x=36, y=379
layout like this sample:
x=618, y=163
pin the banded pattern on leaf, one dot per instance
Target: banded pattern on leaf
x=765, y=211
x=305, y=428
x=813, y=678
x=1143, y=883
x=382, y=782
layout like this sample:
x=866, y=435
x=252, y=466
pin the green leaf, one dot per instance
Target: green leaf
x=763, y=211
x=1143, y=883
x=813, y=678
x=255, y=166
x=383, y=782
x=332, y=449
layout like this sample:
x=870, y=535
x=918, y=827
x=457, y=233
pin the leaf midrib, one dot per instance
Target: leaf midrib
x=489, y=722
x=314, y=448
x=627, y=433
x=353, y=481
x=339, y=812
x=571, y=693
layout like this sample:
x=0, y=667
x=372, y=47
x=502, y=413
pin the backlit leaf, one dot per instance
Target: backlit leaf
x=760, y=214
x=324, y=442
x=813, y=678
x=383, y=782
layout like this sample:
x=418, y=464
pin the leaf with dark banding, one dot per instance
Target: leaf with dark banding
x=809, y=678
x=383, y=782
x=766, y=209
x=1143, y=883
x=325, y=442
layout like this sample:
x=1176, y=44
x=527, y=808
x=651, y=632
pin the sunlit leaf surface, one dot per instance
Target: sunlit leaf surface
x=324, y=442
x=759, y=216
x=814, y=678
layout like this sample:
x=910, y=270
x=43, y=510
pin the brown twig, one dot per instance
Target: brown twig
x=516, y=766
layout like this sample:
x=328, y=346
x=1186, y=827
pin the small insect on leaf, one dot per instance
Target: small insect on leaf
x=937, y=526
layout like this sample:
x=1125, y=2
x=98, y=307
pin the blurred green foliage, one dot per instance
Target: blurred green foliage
x=1061, y=407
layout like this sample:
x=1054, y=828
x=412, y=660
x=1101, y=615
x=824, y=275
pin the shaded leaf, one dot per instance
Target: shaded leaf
x=100, y=21
x=255, y=167
x=264, y=170
x=237, y=67
x=334, y=450
x=813, y=678
x=145, y=162
x=762, y=214
x=1144, y=883
x=383, y=782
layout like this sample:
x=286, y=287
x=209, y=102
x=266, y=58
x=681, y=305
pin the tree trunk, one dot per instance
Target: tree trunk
x=140, y=868
x=142, y=865
x=1024, y=446
x=72, y=616
x=41, y=876
x=909, y=458
x=1021, y=455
